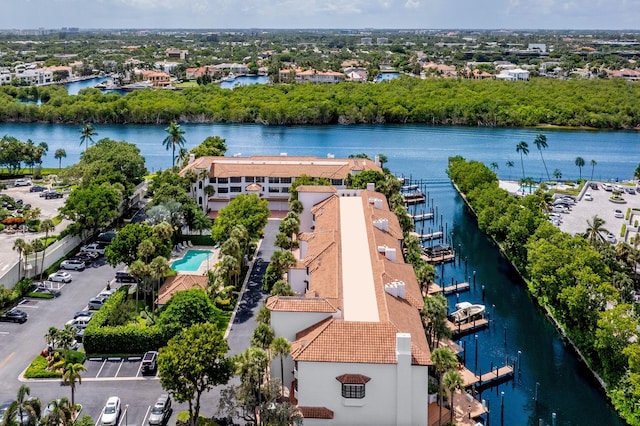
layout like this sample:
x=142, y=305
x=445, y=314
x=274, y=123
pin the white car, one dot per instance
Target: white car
x=22, y=182
x=60, y=277
x=610, y=238
x=73, y=264
x=111, y=411
x=618, y=214
x=587, y=197
x=93, y=248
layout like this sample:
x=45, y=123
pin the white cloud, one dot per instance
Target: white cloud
x=412, y=4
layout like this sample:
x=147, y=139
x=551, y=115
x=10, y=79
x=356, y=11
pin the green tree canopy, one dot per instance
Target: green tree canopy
x=193, y=362
x=92, y=207
x=247, y=210
x=211, y=146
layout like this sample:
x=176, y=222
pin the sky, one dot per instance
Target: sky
x=356, y=14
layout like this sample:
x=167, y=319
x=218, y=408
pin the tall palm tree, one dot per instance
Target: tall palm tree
x=159, y=268
x=593, y=163
x=174, y=139
x=594, y=231
x=86, y=135
x=38, y=246
x=523, y=149
x=426, y=274
x=70, y=376
x=541, y=143
x=19, y=246
x=281, y=347
x=452, y=382
x=47, y=226
x=59, y=155
x=59, y=414
x=509, y=165
x=27, y=250
x=443, y=360
x=580, y=164
x=27, y=407
x=557, y=174
x=494, y=166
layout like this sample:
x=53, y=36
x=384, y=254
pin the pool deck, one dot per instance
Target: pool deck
x=203, y=266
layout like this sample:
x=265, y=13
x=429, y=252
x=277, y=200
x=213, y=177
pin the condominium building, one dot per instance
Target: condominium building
x=220, y=179
x=359, y=353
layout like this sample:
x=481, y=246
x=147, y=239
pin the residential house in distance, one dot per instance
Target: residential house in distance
x=177, y=53
x=356, y=74
x=514, y=74
x=312, y=76
x=359, y=354
x=269, y=177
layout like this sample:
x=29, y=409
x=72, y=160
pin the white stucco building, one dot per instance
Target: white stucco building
x=269, y=177
x=359, y=352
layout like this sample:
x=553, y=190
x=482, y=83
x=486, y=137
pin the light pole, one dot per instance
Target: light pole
x=519, y=353
x=126, y=410
x=536, y=395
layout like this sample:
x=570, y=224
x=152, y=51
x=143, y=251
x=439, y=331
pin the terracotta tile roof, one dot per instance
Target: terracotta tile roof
x=299, y=304
x=354, y=379
x=406, y=319
x=316, y=188
x=281, y=166
x=178, y=283
x=316, y=412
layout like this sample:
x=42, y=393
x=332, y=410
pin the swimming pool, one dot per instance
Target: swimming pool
x=527, y=189
x=191, y=261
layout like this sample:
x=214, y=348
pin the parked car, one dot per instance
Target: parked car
x=83, y=314
x=593, y=185
x=125, y=277
x=93, y=248
x=111, y=411
x=149, y=362
x=618, y=214
x=55, y=346
x=86, y=257
x=73, y=264
x=607, y=186
x=37, y=188
x=610, y=238
x=22, y=182
x=629, y=190
x=106, y=293
x=161, y=411
x=80, y=322
x=587, y=197
x=96, y=303
x=106, y=237
x=53, y=194
x=60, y=277
x=14, y=315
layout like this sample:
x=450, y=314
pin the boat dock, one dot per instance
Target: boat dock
x=411, y=198
x=437, y=235
x=493, y=377
x=453, y=288
x=420, y=216
x=458, y=330
x=439, y=258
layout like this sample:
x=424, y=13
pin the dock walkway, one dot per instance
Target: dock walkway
x=458, y=330
x=450, y=289
x=499, y=374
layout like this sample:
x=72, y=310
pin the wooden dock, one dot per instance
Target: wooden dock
x=420, y=216
x=437, y=235
x=454, y=288
x=462, y=329
x=416, y=198
x=498, y=375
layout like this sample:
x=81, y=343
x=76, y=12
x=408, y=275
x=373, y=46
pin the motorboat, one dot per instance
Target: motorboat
x=467, y=312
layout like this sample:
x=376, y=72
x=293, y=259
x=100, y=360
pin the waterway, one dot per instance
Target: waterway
x=547, y=367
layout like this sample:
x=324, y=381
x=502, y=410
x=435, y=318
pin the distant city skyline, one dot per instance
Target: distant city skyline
x=287, y=14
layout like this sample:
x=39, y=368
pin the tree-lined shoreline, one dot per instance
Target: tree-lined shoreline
x=596, y=104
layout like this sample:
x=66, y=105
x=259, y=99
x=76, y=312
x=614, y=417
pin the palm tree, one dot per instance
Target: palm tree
x=443, y=360
x=47, y=226
x=19, y=246
x=59, y=155
x=59, y=413
x=281, y=347
x=580, y=164
x=494, y=166
x=38, y=246
x=262, y=337
x=52, y=336
x=174, y=139
x=557, y=174
x=426, y=274
x=71, y=375
x=523, y=149
x=452, y=382
x=594, y=231
x=87, y=133
x=510, y=165
x=183, y=156
x=541, y=143
x=593, y=163
x=159, y=268
x=27, y=407
x=27, y=250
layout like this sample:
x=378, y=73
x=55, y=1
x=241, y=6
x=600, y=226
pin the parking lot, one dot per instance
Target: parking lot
x=116, y=368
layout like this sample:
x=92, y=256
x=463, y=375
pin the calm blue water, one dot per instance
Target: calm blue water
x=422, y=152
x=245, y=80
x=386, y=76
x=191, y=261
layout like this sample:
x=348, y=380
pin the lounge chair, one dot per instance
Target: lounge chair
x=180, y=246
x=189, y=243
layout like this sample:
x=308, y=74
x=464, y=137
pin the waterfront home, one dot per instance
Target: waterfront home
x=269, y=177
x=359, y=354
x=311, y=75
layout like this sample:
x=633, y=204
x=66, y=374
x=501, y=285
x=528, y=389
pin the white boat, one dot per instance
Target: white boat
x=467, y=312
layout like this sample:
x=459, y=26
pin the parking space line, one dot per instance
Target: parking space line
x=4, y=332
x=6, y=360
x=144, y=419
x=119, y=367
x=101, y=367
x=123, y=416
x=139, y=369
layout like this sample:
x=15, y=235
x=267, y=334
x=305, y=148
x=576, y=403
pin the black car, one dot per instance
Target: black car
x=149, y=362
x=14, y=315
x=125, y=277
x=53, y=194
x=37, y=188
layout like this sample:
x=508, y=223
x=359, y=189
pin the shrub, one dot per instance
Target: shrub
x=183, y=420
x=38, y=370
x=38, y=295
x=24, y=286
x=623, y=231
x=626, y=217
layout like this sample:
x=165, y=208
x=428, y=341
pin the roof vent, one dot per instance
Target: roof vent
x=382, y=224
x=382, y=249
x=377, y=203
x=396, y=289
x=390, y=254
x=283, y=154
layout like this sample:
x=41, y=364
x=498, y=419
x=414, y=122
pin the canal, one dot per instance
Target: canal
x=547, y=367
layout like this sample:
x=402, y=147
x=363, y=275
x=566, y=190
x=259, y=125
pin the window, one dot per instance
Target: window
x=236, y=179
x=353, y=385
x=352, y=391
x=272, y=189
x=200, y=185
x=223, y=180
x=236, y=189
x=274, y=180
x=212, y=180
x=223, y=190
x=285, y=180
x=337, y=182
